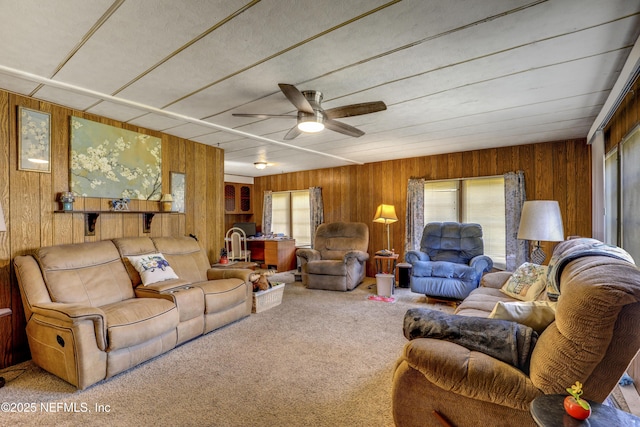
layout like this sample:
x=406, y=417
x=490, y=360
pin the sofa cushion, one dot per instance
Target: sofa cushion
x=481, y=302
x=137, y=320
x=328, y=267
x=452, y=241
x=333, y=240
x=91, y=274
x=185, y=256
x=535, y=314
x=132, y=246
x=222, y=294
x=527, y=282
x=443, y=269
x=152, y=268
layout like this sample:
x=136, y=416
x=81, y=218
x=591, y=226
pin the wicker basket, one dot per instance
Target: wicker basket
x=264, y=300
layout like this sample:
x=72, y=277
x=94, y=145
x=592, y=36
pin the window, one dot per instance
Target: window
x=291, y=215
x=479, y=200
x=622, y=194
x=611, y=235
x=630, y=194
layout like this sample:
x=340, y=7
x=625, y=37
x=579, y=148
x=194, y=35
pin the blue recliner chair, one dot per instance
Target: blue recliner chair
x=450, y=262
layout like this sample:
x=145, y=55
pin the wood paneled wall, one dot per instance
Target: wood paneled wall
x=559, y=170
x=626, y=117
x=29, y=201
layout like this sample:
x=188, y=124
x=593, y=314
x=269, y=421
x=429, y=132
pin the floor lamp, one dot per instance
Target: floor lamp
x=540, y=221
x=386, y=214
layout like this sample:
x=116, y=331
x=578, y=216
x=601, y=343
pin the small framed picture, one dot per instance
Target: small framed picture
x=178, y=191
x=34, y=140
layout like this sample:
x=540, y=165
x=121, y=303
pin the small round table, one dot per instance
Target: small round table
x=548, y=411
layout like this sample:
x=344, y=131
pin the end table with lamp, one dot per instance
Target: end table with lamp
x=386, y=214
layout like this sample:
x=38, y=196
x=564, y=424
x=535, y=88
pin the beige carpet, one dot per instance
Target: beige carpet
x=321, y=358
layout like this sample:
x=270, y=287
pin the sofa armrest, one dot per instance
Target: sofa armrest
x=495, y=280
x=229, y=273
x=307, y=254
x=413, y=256
x=164, y=286
x=481, y=263
x=470, y=373
x=359, y=256
x=74, y=314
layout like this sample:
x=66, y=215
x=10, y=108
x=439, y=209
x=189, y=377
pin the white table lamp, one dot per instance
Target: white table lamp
x=540, y=221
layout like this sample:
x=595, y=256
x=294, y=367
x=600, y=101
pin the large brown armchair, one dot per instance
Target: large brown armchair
x=592, y=340
x=338, y=260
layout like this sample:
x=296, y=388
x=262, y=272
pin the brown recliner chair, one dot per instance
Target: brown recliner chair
x=338, y=260
x=592, y=340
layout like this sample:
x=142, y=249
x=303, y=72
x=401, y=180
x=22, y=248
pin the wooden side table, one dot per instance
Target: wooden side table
x=548, y=411
x=386, y=261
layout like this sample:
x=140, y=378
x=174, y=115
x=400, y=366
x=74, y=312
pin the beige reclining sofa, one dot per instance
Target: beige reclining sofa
x=89, y=317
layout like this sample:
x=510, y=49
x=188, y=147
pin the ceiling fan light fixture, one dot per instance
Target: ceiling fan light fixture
x=310, y=123
x=260, y=165
x=311, y=126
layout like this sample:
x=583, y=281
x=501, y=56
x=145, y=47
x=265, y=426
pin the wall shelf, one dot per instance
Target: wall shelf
x=90, y=218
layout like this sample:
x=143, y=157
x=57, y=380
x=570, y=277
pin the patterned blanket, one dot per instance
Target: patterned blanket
x=572, y=249
x=504, y=340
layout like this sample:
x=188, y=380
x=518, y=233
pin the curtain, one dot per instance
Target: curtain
x=316, y=211
x=514, y=197
x=414, y=223
x=267, y=213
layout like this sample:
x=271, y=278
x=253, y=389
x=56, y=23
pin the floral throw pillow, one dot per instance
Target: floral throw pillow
x=152, y=268
x=527, y=282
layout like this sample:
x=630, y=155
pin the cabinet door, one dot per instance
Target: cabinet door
x=245, y=199
x=230, y=197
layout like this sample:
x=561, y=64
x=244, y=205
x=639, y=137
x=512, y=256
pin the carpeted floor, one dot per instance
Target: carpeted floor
x=320, y=358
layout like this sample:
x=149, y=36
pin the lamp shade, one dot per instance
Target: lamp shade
x=385, y=214
x=541, y=220
x=3, y=226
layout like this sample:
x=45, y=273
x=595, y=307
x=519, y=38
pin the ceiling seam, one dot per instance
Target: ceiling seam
x=292, y=47
x=501, y=109
x=96, y=26
x=123, y=101
x=461, y=62
x=177, y=51
x=372, y=58
x=514, y=74
x=474, y=59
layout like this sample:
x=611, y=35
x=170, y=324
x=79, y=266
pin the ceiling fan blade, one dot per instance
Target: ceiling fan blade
x=265, y=116
x=344, y=128
x=355, y=109
x=296, y=97
x=293, y=132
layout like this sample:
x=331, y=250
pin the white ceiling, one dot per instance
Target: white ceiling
x=455, y=75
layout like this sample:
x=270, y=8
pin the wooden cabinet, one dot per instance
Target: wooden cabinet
x=237, y=198
x=280, y=253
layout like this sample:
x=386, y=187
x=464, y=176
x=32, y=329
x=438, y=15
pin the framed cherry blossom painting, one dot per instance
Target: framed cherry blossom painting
x=34, y=140
x=111, y=162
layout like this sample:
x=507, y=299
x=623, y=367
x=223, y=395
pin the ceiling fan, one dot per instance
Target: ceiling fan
x=312, y=118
